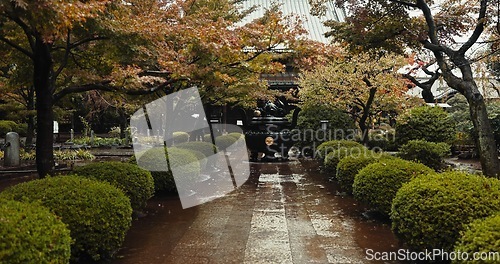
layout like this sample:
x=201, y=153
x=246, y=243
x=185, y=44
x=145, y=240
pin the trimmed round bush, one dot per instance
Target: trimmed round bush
x=236, y=135
x=378, y=183
x=97, y=214
x=180, y=137
x=333, y=158
x=430, y=212
x=136, y=183
x=224, y=141
x=202, y=159
x=481, y=236
x=208, y=149
x=429, y=153
x=207, y=138
x=427, y=123
x=350, y=165
x=30, y=233
x=326, y=147
x=154, y=161
x=340, y=124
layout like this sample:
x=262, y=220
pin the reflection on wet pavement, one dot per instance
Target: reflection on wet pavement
x=284, y=213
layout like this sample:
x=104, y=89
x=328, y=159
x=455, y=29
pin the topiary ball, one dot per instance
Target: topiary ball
x=136, y=183
x=350, y=165
x=208, y=149
x=180, y=137
x=97, y=214
x=430, y=212
x=429, y=153
x=481, y=237
x=30, y=233
x=333, y=158
x=326, y=147
x=432, y=124
x=224, y=141
x=236, y=135
x=378, y=183
x=154, y=161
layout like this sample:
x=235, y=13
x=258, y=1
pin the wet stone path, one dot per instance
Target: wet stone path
x=284, y=213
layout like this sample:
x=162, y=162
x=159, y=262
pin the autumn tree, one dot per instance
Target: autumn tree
x=139, y=47
x=448, y=29
x=361, y=84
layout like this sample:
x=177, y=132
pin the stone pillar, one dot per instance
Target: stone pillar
x=12, y=146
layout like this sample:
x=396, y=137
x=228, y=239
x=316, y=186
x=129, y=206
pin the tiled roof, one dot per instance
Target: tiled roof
x=313, y=24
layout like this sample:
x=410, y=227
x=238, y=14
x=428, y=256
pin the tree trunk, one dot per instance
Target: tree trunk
x=427, y=95
x=123, y=123
x=30, y=134
x=485, y=140
x=44, y=85
x=365, y=128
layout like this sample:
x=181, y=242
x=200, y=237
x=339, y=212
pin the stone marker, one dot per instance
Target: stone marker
x=12, y=146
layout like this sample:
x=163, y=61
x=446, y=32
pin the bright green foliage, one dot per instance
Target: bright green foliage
x=207, y=138
x=481, y=236
x=350, y=165
x=236, y=135
x=30, y=233
x=99, y=141
x=430, y=212
x=7, y=126
x=136, y=183
x=97, y=214
x=202, y=159
x=329, y=146
x=378, y=183
x=154, y=160
x=224, y=141
x=180, y=137
x=340, y=125
x=208, y=149
x=427, y=123
x=333, y=158
x=429, y=153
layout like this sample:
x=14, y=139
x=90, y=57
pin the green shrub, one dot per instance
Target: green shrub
x=382, y=139
x=97, y=214
x=30, y=233
x=427, y=123
x=378, y=183
x=154, y=161
x=224, y=141
x=326, y=147
x=333, y=158
x=136, y=183
x=180, y=137
x=481, y=236
x=7, y=126
x=202, y=159
x=430, y=212
x=99, y=141
x=350, y=165
x=208, y=149
x=236, y=135
x=340, y=125
x=207, y=138
x=429, y=153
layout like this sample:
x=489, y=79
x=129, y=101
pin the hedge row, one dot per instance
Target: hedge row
x=428, y=210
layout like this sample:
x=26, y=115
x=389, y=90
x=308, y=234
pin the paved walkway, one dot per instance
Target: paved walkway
x=283, y=214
